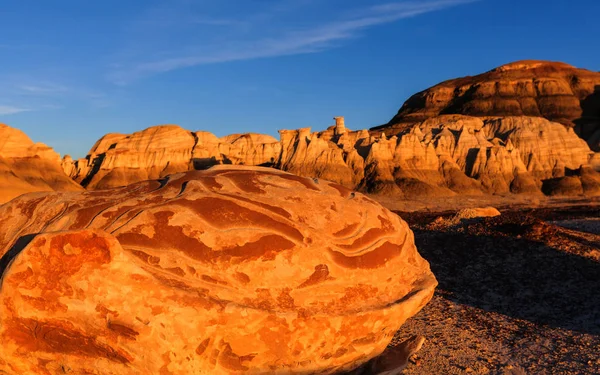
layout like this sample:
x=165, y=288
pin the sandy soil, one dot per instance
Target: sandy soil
x=518, y=294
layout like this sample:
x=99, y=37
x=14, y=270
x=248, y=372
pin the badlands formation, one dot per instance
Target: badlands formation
x=442, y=156
x=228, y=270
x=524, y=128
x=529, y=127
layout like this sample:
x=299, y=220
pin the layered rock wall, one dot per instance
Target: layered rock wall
x=556, y=91
x=444, y=155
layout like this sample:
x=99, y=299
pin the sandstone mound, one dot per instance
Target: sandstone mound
x=556, y=91
x=28, y=167
x=231, y=269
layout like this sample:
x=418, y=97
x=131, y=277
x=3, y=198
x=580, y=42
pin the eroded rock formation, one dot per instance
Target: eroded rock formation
x=441, y=156
x=556, y=91
x=119, y=159
x=231, y=269
x=528, y=127
x=27, y=167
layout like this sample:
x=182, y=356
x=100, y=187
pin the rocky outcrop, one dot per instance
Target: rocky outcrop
x=445, y=155
x=441, y=156
x=556, y=91
x=28, y=167
x=231, y=269
x=119, y=160
x=316, y=155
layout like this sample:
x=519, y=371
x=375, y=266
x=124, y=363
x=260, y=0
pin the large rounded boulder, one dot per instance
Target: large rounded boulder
x=228, y=270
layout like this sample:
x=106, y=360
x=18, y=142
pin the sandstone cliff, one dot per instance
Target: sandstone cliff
x=444, y=155
x=228, y=270
x=27, y=167
x=556, y=91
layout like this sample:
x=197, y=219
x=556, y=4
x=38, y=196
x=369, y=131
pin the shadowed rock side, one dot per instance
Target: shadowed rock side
x=227, y=270
x=442, y=156
x=556, y=91
x=27, y=167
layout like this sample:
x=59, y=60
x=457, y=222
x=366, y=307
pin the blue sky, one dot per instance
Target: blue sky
x=74, y=70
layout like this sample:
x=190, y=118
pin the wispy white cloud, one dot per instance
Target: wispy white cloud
x=34, y=93
x=11, y=110
x=287, y=42
x=412, y=8
x=42, y=89
x=170, y=18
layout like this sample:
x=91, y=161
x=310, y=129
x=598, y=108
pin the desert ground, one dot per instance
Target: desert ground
x=518, y=293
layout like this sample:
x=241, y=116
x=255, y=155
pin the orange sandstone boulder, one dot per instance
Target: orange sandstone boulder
x=227, y=270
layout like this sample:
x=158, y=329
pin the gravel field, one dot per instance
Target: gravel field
x=518, y=294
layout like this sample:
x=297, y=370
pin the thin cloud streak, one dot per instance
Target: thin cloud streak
x=39, y=95
x=10, y=110
x=313, y=40
x=42, y=89
x=421, y=6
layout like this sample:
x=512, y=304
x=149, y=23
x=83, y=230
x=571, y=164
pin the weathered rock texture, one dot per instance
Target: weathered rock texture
x=119, y=160
x=227, y=270
x=556, y=91
x=27, y=167
x=444, y=155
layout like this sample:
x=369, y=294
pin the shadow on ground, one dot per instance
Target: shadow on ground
x=514, y=276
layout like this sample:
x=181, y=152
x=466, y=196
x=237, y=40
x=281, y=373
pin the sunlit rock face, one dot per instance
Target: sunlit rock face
x=441, y=156
x=122, y=159
x=27, y=167
x=227, y=270
x=556, y=91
